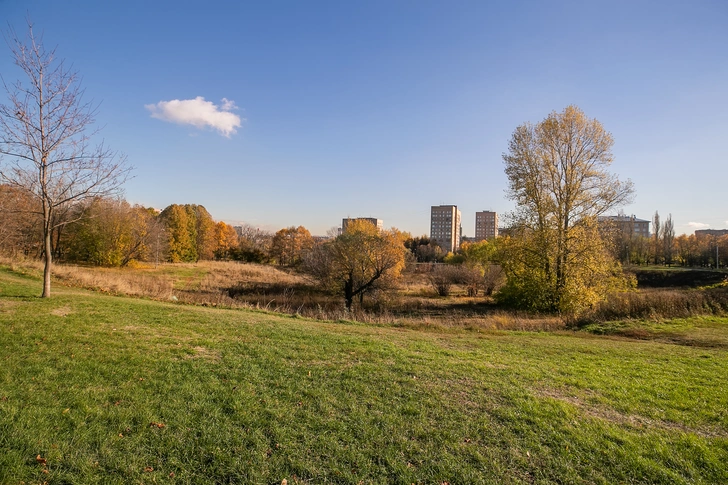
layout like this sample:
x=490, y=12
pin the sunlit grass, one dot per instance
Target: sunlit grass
x=86, y=380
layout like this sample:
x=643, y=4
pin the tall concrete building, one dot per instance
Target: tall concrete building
x=445, y=227
x=486, y=226
x=377, y=222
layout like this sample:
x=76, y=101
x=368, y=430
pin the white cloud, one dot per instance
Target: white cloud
x=198, y=113
x=698, y=225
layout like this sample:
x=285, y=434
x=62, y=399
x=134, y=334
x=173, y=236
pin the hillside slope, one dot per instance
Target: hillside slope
x=101, y=389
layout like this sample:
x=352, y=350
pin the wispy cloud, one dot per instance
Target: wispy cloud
x=698, y=225
x=198, y=113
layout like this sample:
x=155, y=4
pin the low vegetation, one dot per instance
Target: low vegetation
x=96, y=388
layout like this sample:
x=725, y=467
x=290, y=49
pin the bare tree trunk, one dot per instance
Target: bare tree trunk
x=45, y=140
x=349, y=292
x=48, y=260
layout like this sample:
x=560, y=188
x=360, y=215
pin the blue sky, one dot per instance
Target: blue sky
x=314, y=111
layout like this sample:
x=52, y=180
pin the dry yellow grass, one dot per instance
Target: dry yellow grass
x=413, y=305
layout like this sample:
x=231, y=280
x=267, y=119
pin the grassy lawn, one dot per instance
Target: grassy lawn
x=117, y=390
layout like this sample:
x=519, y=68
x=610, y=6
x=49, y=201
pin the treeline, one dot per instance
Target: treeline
x=662, y=247
x=112, y=232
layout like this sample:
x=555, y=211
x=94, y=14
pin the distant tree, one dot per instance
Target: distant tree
x=204, y=231
x=45, y=133
x=453, y=258
x=190, y=232
x=110, y=232
x=255, y=245
x=640, y=250
x=429, y=253
x=493, y=279
x=558, y=178
x=444, y=276
x=668, y=240
x=181, y=238
x=289, y=245
x=657, y=243
x=682, y=248
x=20, y=226
x=226, y=241
x=360, y=261
x=482, y=258
x=722, y=254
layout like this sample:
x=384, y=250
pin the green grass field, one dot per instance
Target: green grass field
x=107, y=389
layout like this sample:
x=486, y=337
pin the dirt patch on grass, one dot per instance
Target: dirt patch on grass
x=199, y=352
x=7, y=305
x=622, y=419
x=63, y=311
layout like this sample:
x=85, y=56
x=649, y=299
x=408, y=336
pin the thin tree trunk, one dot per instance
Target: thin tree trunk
x=48, y=263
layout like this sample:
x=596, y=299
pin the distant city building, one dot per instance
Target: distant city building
x=486, y=225
x=376, y=222
x=445, y=227
x=628, y=224
x=711, y=232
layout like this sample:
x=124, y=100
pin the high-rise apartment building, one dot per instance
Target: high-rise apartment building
x=445, y=227
x=486, y=226
x=372, y=220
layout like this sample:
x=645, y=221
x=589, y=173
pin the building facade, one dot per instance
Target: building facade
x=445, y=227
x=711, y=232
x=486, y=225
x=377, y=222
x=628, y=225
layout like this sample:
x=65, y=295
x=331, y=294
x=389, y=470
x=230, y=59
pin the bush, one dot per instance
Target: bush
x=659, y=304
x=443, y=277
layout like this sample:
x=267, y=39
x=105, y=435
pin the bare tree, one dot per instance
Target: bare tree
x=45, y=140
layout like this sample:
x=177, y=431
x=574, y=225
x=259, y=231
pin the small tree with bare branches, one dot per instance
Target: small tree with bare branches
x=45, y=140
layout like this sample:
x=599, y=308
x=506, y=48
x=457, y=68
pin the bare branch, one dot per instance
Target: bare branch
x=45, y=138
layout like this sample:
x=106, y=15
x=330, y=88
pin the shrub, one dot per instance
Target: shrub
x=659, y=304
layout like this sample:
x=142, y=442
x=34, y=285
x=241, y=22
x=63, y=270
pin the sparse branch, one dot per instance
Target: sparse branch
x=45, y=139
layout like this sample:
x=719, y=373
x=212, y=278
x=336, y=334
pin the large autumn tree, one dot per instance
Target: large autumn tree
x=290, y=244
x=557, y=170
x=45, y=141
x=190, y=232
x=358, y=261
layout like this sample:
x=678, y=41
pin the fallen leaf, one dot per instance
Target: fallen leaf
x=148, y=469
x=40, y=460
